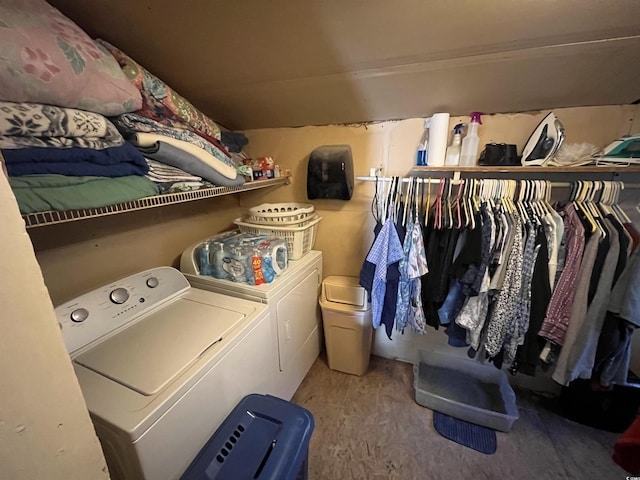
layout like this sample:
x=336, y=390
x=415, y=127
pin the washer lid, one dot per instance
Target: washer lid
x=151, y=353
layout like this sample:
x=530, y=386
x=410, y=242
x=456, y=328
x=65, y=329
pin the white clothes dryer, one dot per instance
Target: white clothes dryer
x=292, y=299
x=161, y=365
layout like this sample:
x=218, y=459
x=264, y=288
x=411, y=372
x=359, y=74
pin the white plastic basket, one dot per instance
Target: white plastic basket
x=280, y=213
x=300, y=239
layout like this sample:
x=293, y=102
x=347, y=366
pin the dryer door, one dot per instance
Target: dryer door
x=298, y=318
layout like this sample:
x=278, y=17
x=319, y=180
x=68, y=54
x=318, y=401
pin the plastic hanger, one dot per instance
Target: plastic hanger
x=491, y=194
x=578, y=202
x=535, y=199
x=407, y=203
x=469, y=218
x=389, y=207
x=415, y=201
x=463, y=204
x=619, y=186
x=591, y=205
x=519, y=201
x=458, y=212
x=421, y=196
x=428, y=205
x=437, y=220
x=419, y=184
x=447, y=210
x=606, y=201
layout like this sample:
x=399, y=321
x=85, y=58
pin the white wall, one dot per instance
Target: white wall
x=45, y=429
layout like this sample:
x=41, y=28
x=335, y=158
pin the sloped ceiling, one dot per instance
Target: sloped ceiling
x=256, y=64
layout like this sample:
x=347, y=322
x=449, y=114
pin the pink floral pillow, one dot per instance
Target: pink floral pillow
x=46, y=58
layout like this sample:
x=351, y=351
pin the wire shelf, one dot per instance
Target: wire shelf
x=40, y=219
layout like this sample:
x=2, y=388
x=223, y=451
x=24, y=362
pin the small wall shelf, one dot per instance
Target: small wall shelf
x=612, y=172
x=53, y=217
x=546, y=170
x=562, y=175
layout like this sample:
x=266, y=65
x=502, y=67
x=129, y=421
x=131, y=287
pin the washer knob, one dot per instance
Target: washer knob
x=119, y=295
x=79, y=315
x=152, y=282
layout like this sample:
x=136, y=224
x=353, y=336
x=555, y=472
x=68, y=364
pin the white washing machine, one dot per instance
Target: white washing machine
x=292, y=299
x=161, y=365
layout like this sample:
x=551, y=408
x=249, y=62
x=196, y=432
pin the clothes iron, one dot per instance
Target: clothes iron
x=544, y=142
x=626, y=147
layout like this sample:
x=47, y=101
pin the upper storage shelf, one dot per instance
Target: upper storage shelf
x=562, y=173
x=53, y=217
x=517, y=169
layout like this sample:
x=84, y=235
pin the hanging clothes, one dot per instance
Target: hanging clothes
x=528, y=355
x=580, y=289
x=625, y=245
x=385, y=252
x=577, y=356
x=613, y=353
x=497, y=280
x=554, y=229
x=625, y=298
x=506, y=303
x=474, y=312
x=415, y=266
x=471, y=262
x=404, y=282
x=390, y=306
x=555, y=323
x=520, y=323
x=440, y=247
x=601, y=256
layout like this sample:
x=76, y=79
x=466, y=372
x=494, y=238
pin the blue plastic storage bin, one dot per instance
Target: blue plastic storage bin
x=264, y=438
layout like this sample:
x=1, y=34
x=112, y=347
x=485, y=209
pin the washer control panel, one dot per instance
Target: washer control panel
x=107, y=309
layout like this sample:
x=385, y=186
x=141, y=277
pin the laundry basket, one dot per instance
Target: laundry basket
x=280, y=213
x=300, y=237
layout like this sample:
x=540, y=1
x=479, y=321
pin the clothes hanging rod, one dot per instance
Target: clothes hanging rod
x=457, y=181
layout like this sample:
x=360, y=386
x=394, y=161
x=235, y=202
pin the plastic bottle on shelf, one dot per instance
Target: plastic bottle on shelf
x=453, y=151
x=469, y=150
x=421, y=159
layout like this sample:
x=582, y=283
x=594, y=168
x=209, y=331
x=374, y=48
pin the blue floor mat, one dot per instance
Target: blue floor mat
x=470, y=435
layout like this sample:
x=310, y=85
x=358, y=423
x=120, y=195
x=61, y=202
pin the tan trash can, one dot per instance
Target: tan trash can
x=346, y=317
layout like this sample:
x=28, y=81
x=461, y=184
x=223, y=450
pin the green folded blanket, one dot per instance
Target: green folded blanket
x=39, y=193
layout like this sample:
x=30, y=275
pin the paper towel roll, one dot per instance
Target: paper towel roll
x=438, y=136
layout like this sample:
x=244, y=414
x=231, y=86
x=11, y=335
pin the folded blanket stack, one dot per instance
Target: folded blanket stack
x=66, y=100
x=50, y=152
x=167, y=119
x=180, y=148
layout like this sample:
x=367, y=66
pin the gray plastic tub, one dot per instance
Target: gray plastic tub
x=465, y=389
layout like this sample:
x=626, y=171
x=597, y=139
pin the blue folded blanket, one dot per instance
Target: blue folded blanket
x=116, y=161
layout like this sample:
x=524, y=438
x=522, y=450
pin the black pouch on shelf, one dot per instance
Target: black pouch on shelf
x=499, y=155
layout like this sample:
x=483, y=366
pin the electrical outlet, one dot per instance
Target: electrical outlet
x=375, y=172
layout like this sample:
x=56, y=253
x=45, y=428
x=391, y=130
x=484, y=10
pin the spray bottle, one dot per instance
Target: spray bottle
x=453, y=151
x=469, y=151
x=421, y=159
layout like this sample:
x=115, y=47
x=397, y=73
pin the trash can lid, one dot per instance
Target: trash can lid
x=345, y=291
